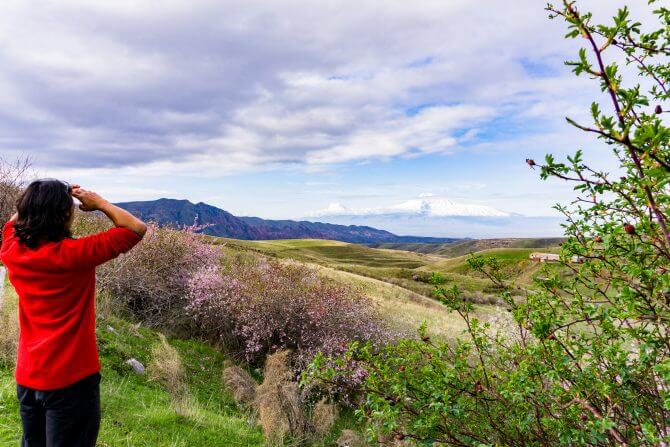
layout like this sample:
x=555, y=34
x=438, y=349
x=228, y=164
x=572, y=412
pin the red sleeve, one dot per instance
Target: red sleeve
x=7, y=231
x=91, y=251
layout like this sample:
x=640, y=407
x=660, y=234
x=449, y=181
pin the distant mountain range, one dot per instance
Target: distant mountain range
x=221, y=223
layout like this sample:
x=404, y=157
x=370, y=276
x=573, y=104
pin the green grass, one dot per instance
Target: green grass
x=464, y=247
x=137, y=411
x=330, y=252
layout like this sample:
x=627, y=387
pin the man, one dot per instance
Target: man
x=57, y=369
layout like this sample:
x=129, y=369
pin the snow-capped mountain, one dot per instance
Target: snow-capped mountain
x=440, y=216
x=422, y=206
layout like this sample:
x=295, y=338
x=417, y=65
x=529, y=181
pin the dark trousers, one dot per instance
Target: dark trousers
x=66, y=417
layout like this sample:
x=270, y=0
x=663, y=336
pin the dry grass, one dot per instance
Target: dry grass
x=406, y=310
x=240, y=384
x=324, y=416
x=166, y=367
x=9, y=326
x=349, y=438
x=279, y=403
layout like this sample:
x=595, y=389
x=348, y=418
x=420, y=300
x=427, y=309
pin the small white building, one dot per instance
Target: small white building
x=553, y=257
x=545, y=257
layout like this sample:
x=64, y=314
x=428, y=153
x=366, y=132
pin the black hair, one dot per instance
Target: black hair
x=44, y=210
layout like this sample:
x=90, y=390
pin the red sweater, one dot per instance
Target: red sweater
x=56, y=287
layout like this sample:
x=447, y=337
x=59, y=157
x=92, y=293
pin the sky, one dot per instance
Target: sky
x=284, y=109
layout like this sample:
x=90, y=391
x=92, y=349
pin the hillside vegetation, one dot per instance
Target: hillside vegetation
x=463, y=247
x=408, y=269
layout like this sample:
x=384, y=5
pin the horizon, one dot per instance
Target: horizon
x=301, y=111
x=346, y=220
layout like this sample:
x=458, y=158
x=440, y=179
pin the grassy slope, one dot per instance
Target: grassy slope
x=136, y=411
x=399, y=267
x=473, y=245
x=331, y=252
x=406, y=310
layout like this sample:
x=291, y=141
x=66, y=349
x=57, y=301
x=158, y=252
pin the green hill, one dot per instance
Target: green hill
x=138, y=411
x=463, y=247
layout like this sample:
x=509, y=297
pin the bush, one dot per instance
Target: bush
x=324, y=416
x=89, y=223
x=589, y=361
x=152, y=280
x=258, y=307
x=241, y=385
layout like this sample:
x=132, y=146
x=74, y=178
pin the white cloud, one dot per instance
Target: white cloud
x=427, y=206
x=225, y=86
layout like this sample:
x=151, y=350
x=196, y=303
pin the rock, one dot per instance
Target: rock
x=137, y=366
x=349, y=438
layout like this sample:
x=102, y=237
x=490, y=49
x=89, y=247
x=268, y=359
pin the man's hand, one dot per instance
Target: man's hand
x=90, y=201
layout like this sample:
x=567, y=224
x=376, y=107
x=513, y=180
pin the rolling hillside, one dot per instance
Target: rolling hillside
x=407, y=269
x=465, y=246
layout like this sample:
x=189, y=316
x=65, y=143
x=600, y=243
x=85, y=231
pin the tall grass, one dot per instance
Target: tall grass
x=9, y=329
x=166, y=367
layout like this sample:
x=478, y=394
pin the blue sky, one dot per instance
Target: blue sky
x=284, y=109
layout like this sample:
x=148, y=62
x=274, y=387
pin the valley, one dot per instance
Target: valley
x=410, y=266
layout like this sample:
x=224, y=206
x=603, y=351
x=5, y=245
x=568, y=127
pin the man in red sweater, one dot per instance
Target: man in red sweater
x=57, y=369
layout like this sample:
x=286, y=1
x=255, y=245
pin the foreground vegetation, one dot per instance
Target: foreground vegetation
x=587, y=358
x=137, y=410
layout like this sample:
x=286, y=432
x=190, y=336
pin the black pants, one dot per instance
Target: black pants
x=66, y=417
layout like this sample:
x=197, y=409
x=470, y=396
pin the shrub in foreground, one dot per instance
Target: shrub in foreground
x=589, y=363
x=152, y=280
x=9, y=332
x=257, y=307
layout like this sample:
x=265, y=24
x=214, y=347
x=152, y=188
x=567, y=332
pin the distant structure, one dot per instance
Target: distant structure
x=544, y=257
x=552, y=257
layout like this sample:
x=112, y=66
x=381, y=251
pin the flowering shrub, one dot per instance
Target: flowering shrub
x=253, y=307
x=152, y=281
x=258, y=307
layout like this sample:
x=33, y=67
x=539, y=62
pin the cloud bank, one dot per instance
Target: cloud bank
x=426, y=206
x=220, y=86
